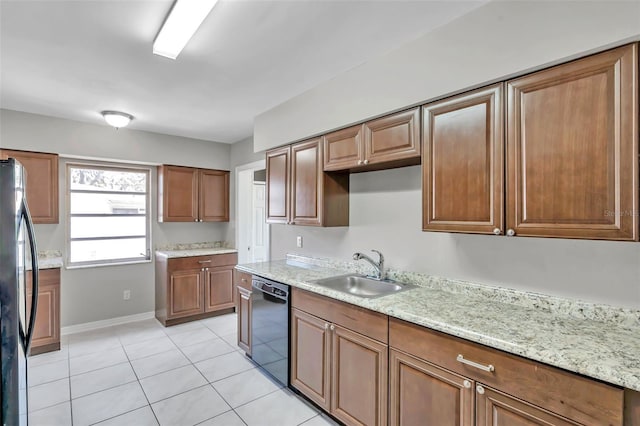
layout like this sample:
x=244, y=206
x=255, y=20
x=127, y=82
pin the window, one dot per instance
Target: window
x=109, y=217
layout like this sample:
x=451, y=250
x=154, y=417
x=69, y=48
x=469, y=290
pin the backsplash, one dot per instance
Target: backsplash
x=194, y=246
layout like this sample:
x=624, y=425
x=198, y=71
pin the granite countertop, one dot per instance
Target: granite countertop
x=598, y=341
x=194, y=249
x=48, y=259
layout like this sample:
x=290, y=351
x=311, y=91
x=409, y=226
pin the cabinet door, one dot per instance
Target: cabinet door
x=358, y=378
x=46, y=331
x=278, y=185
x=572, y=149
x=344, y=148
x=218, y=289
x=178, y=197
x=495, y=408
x=306, y=183
x=394, y=137
x=423, y=394
x=463, y=165
x=186, y=291
x=214, y=196
x=244, y=319
x=41, y=183
x=311, y=357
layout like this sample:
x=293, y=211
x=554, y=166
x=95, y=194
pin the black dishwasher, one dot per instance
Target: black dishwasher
x=270, y=327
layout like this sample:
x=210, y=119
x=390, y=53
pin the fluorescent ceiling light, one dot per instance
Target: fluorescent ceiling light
x=181, y=24
x=117, y=119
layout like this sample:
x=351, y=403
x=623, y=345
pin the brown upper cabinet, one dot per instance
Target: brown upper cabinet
x=386, y=142
x=463, y=164
x=41, y=183
x=572, y=149
x=186, y=194
x=299, y=192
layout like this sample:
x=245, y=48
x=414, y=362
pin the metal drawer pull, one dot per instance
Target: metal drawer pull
x=490, y=368
x=467, y=384
x=480, y=390
x=204, y=261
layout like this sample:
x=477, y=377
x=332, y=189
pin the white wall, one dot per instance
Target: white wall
x=94, y=294
x=496, y=40
x=386, y=214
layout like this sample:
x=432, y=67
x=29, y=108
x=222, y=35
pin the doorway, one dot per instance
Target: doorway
x=252, y=231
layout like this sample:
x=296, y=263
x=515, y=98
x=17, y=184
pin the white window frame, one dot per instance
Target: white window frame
x=148, y=214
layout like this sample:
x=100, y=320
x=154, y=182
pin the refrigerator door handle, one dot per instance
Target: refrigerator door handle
x=34, y=275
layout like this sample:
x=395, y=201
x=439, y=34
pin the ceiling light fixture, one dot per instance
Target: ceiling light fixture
x=117, y=119
x=180, y=25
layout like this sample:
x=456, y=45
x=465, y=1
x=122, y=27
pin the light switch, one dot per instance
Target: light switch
x=299, y=241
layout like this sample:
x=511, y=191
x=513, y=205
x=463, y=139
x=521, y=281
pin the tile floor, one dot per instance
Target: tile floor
x=142, y=373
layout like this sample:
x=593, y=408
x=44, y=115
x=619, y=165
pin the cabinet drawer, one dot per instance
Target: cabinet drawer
x=361, y=320
x=196, y=262
x=570, y=395
x=242, y=279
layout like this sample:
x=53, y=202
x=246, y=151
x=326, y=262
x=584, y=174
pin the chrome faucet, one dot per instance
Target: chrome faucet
x=379, y=266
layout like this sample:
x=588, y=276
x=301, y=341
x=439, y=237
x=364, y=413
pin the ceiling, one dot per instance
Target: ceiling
x=73, y=59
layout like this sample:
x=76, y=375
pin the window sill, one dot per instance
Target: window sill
x=101, y=265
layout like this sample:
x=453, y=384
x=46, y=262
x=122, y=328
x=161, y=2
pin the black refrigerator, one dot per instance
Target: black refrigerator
x=18, y=257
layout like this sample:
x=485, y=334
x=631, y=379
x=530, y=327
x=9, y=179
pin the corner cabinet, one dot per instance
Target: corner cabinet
x=186, y=194
x=41, y=183
x=46, y=331
x=189, y=288
x=339, y=358
x=299, y=192
x=243, y=293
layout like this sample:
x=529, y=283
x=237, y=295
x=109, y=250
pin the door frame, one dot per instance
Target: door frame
x=256, y=165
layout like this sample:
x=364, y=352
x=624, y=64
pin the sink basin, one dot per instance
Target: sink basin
x=362, y=286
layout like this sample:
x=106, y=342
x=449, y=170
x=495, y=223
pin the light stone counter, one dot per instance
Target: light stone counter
x=598, y=341
x=48, y=259
x=194, y=249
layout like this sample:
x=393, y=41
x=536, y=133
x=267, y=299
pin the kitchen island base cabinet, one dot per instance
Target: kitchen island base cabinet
x=190, y=288
x=46, y=331
x=243, y=292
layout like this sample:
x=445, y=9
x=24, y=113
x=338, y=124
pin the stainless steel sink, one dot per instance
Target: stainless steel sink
x=360, y=285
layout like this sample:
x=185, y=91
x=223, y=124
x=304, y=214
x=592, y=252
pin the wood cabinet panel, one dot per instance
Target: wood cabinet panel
x=311, y=357
x=572, y=149
x=424, y=394
x=214, y=195
x=394, y=137
x=41, y=183
x=570, y=395
x=186, y=291
x=306, y=183
x=359, y=378
x=463, y=163
x=244, y=318
x=218, y=289
x=178, y=196
x=344, y=149
x=278, y=196
x=499, y=409
x=46, y=332
x=199, y=262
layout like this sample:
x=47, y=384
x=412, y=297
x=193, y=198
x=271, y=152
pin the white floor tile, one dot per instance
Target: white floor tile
x=140, y=417
x=192, y=337
x=106, y=404
x=280, y=408
x=207, y=349
x=245, y=387
x=99, y=380
x=107, y=358
x=49, y=357
x=57, y=415
x=172, y=382
x=320, y=420
x=190, y=408
x=91, y=346
x=231, y=339
x=48, y=372
x=137, y=336
x=152, y=347
x=181, y=328
x=227, y=419
x=224, y=366
x=159, y=363
x=48, y=394
x=223, y=324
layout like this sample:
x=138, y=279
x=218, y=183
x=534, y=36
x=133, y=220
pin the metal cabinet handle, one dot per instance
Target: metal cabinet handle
x=359, y=162
x=202, y=269
x=511, y=232
x=480, y=390
x=490, y=368
x=326, y=325
x=366, y=161
x=204, y=261
x=497, y=231
x=467, y=384
x=195, y=220
x=333, y=327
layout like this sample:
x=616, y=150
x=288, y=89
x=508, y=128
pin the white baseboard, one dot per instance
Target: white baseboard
x=94, y=325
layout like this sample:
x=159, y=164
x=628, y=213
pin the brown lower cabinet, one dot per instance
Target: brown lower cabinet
x=189, y=288
x=335, y=362
x=243, y=293
x=46, y=332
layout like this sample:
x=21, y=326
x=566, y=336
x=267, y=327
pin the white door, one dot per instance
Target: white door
x=260, y=234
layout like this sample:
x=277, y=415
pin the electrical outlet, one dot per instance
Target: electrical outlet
x=126, y=295
x=299, y=241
